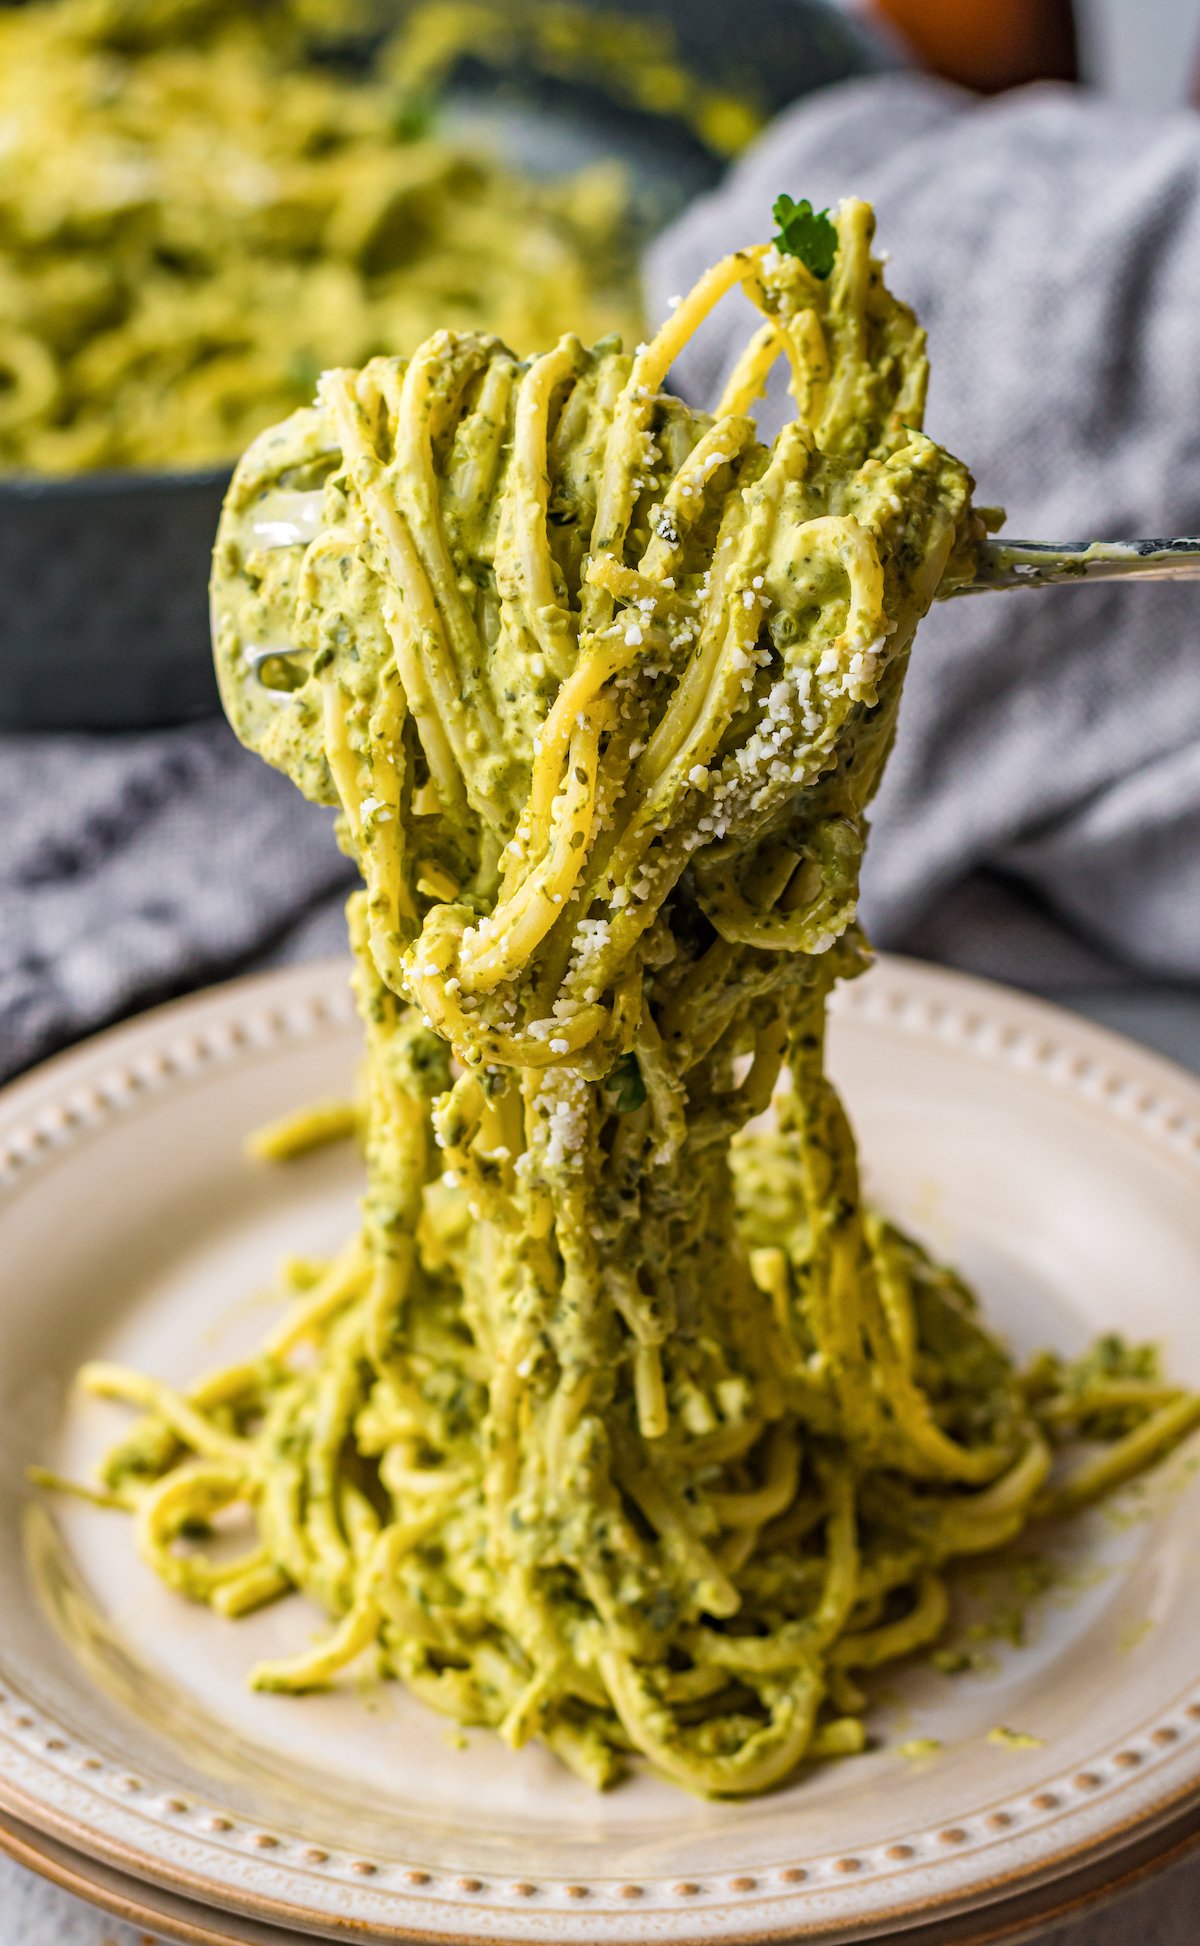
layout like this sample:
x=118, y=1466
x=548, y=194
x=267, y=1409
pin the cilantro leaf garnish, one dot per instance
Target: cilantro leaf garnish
x=806, y=233
x=626, y=1083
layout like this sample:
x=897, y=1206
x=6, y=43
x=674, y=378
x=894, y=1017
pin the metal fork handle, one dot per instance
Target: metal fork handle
x=1041, y=564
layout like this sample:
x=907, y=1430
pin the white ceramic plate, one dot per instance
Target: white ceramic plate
x=1059, y=1166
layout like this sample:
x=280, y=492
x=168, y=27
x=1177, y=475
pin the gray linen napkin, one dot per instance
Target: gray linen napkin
x=134, y=867
x=1041, y=817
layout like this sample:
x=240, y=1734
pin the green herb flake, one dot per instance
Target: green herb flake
x=1006, y=1739
x=625, y=1082
x=806, y=233
x=414, y=116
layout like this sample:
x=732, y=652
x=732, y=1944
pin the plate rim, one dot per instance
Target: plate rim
x=70, y=1872
x=1077, y=1896
x=985, y=1021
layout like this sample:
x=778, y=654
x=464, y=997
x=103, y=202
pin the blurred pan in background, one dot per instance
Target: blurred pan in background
x=103, y=574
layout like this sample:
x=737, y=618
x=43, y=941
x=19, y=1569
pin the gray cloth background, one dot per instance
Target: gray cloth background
x=134, y=867
x=1041, y=817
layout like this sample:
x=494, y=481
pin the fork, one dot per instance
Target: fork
x=1041, y=564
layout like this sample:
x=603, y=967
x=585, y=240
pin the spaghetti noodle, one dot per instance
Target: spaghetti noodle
x=203, y=203
x=623, y=1423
